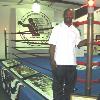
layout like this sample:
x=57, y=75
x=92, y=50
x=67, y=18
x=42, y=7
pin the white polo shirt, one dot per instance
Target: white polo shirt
x=65, y=39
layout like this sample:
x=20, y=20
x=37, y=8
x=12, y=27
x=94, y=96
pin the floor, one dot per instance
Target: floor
x=3, y=95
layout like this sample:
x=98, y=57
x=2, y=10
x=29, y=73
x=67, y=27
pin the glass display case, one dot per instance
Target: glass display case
x=42, y=84
x=10, y=63
x=20, y=70
x=38, y=81
x=23, y=71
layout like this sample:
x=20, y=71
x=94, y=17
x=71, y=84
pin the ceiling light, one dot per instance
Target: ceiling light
x=36, y=7
x=91, y=3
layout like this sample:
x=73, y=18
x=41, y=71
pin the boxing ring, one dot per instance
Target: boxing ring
x=26, y=71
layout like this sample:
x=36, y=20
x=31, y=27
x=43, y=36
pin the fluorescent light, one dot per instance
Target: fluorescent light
x=36, y=7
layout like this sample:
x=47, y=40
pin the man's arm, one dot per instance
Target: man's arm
x=52, y=52
x=82, y=43
x=24, y=25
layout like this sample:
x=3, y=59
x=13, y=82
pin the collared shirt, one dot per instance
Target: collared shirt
x=65, y=39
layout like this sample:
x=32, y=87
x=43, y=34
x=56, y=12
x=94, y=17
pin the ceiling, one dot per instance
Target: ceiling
x=76, y=3
x=97, y=2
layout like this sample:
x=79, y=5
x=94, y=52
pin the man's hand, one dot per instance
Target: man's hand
x=82, y=43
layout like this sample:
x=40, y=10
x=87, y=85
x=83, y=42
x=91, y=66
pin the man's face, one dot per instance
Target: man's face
x=68, y=16
x=30, y=20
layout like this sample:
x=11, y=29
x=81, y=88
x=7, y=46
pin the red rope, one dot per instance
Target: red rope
x=92, y=81
x=77, y=23
x=84, y=63
x=81, y=63
x=97, y=43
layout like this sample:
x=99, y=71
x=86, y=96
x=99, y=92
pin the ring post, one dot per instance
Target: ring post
x=5, y=43
x=90, y=19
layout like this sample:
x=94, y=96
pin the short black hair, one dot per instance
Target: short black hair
x=30, y=19
x=66, y=10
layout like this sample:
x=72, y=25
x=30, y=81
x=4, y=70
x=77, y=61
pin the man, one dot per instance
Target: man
x=63, y=41
x=33, y=28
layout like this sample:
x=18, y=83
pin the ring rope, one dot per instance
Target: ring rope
x=77, y=23
x=92, y=81
x=84, y=63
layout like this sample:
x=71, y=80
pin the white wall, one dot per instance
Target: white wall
x=4, y=23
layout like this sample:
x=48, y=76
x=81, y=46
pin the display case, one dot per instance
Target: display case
x=20, y=70
x=10, y=63
x=23, y=71
x=42, y=84
x=37, y=81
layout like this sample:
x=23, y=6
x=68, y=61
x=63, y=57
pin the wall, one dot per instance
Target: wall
x=4, y=23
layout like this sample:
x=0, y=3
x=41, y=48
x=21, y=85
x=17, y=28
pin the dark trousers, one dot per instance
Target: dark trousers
x=64, y=79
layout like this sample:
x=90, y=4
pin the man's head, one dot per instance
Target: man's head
x=30, y=20
x=68, y=16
